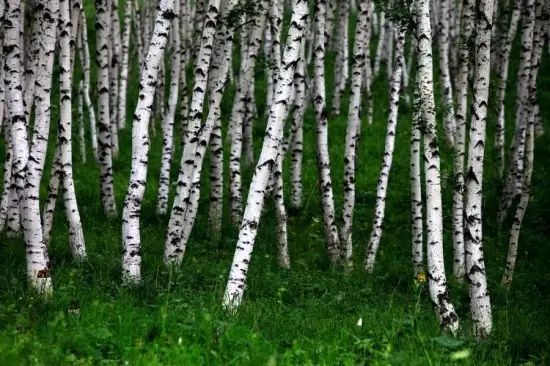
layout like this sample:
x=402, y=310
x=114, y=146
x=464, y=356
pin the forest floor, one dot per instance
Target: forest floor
x=307, y=315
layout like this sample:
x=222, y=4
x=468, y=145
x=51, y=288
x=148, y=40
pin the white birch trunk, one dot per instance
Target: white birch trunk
x=131, y=241
x=168, y=121
x=268, y=156
x=297, y=131
x=444, y=69
x=80, y=121
x=76, y=236
x=84, y=54
x=332, y=240
x=105, y=153
x=341, y=67
x=439, y=293
x=352, y=131
x=187, y=198
x=246, y=76
x=382, y=186
x=125, y=55
x=466, y=33
x=480, y=303
x=417, y=204
x=38, y=272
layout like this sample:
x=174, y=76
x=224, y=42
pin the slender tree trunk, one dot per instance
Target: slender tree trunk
x=131, y=241
x=168, y=122
x=332, y=240
x=76, y=236
x=38, y=272
x=246, y=76
x=187, y=198
x=352, y=131
x=125, y=54
x=80, y=120
x=480, y=303
x=84, y=54
x=466, y=33
x=341, y=67
x=105, y=153
x=382, y=187
x=439, y=293
x=416, y=187
x=297, y=131
x=268, y=157
x=446, y=86
x=504, y=57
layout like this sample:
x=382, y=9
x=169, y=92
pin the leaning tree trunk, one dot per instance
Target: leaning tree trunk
x=173, y=253
x=352, y=131
x=125, y=50
x=382, y=187
x=131, y=241
x=38, y=272
x=504, y=57
x=332, y=239
x=105, y=154
x=270, y=150
x=448, y=318
x=297, y=131
x=466, y=33
x=446, y=86
x=246, y=78
x=76, y=236
x=480, y=303
x=187, y=199
x=84, y=54
x=168, y=121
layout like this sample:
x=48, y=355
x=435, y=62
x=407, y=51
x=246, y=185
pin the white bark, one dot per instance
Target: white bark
x=114, y=73
x=187, y=198
x=168, y=120
x=382, y=186
x=341, y=66
x=417, y=204
x=380, y=44
x=105, y=156
x=439, y=294
x=80, y=121
x=352, y=131
x=125, y=55
x=332, y=240
x=131, y=241
x=84, y=54
x=270, y=150
x=464, y=64
x=297, y=131
x=38, y=272
x=76, y=236
x=446, y=86
x=246, y=76
x=480, y=303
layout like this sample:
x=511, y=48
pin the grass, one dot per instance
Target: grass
x=307, y=315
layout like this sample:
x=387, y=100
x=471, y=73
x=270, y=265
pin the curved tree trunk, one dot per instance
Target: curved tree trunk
x=270, y=150
x=382, y=187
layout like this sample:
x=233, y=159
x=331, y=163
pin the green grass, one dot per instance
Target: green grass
x=307, y=315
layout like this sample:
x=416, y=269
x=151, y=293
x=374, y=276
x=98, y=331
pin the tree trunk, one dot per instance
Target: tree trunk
x=270, y=150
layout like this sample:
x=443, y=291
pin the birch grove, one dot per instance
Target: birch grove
x=200, y=80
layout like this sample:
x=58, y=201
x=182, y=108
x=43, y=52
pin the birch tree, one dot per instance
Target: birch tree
x=332, y=240
x=466, y=33
x=352, y=130
x=480, y=303
x=105, y=153
x=439, y=293
x=382, y=186
x=270, y=150
x=131, y=241
x=38, y=272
